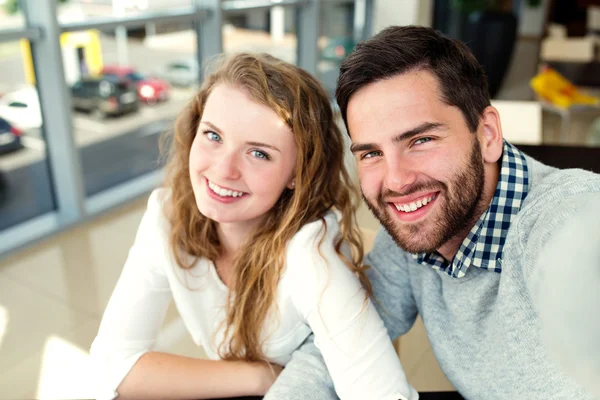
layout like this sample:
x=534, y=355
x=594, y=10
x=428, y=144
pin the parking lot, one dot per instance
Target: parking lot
x=112, y=151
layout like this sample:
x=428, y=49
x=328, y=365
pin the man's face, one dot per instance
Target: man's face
x=421, y=170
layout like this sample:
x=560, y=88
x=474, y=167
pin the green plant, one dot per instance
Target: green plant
x=12, y=6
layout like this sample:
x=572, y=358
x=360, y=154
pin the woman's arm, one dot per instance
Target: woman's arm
x=350, y=334
x=122, y=352
x=167, y=376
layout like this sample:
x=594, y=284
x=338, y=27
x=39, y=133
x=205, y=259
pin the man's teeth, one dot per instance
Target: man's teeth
x=415, y=205
x=224, y=192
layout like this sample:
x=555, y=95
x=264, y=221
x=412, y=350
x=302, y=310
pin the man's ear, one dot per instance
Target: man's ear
x=490, y=135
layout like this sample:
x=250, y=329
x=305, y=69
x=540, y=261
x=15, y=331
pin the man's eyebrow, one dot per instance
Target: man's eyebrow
x=358, y=147
x=423, y=128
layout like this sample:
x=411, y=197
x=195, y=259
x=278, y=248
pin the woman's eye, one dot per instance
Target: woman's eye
x=260, y=154
x=212, y=136
x=370, y=154
x=422, y=140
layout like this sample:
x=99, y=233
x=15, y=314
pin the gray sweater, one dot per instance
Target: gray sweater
x=493, y=334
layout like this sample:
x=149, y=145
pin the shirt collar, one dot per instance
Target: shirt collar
x=483, y=245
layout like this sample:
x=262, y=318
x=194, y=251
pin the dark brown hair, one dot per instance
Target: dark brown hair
x=400, y=49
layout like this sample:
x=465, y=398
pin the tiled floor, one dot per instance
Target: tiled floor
x=52, y=296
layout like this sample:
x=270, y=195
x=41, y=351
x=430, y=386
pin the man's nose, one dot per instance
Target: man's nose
x=399, y=173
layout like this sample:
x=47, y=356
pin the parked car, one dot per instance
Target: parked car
x=105, y=97
x=10, y=137
x=150, y=90
x=22, y=108
x=180, y=73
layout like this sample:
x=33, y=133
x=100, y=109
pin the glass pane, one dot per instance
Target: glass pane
x=125, y=92
x=82, y=10
x=336, y=42
x=271, y=31
x=10, y=16
x=25, y=190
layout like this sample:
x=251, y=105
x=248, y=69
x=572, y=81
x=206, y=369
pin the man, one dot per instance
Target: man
x=466, y=218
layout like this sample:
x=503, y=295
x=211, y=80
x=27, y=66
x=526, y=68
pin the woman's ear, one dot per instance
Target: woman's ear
x=292, y=184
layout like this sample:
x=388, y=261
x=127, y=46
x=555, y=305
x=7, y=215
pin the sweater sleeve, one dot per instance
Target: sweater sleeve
x=137, y=307
x=565, y=287
x=392, y=290
x=354, y=343
x=305, y=377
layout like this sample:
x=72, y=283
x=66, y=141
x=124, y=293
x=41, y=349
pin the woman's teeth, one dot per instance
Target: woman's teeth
x=415, y=205
x=224, y=192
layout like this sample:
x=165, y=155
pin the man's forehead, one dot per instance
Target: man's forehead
x=402, y=91
x=406, y=104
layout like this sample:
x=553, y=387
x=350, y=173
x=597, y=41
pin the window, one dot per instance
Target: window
x=25, y=189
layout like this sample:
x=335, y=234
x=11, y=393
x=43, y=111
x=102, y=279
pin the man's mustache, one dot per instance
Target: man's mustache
x=414, y=188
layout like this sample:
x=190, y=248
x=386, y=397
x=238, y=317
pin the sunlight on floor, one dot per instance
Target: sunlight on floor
x=3, y=323
x=65, y=372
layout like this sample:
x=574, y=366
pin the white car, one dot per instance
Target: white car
x=22, y=109
x=180, y=73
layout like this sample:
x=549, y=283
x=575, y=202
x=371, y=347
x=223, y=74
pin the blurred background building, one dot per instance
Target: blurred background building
x=88, y=86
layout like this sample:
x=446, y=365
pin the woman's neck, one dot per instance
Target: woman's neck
x=232, y=238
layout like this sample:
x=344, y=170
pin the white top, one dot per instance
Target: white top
x=317, y=292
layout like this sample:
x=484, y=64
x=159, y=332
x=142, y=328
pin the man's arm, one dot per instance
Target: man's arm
x=305, y=377
x=565, y=287
x=390, y=278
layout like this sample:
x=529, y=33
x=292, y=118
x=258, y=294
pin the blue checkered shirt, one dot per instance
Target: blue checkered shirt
x=483, y=245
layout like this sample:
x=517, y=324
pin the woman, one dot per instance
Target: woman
x=254, y=237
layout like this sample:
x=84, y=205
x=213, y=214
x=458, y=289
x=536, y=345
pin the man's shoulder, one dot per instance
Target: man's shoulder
x=553, y=185
x=552, y=198
x=385, y=251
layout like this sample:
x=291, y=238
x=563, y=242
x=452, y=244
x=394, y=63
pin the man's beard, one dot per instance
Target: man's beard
x=457, y=208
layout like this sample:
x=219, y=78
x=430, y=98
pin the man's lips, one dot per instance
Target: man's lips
x=412, y=198
x=414, y=211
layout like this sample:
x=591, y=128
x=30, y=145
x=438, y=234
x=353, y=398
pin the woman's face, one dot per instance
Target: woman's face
x=242, y=158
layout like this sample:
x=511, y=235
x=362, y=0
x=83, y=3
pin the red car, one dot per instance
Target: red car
x=150, y=90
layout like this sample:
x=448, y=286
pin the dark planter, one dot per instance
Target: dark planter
x=490, y=35
x=493, y=42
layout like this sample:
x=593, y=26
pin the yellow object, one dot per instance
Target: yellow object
x=27, y=61
x=557, y=90
x=81, y=54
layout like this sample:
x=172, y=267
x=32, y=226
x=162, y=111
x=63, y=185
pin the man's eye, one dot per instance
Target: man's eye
x=260, y=154
x=370, y=154
x=422, y=140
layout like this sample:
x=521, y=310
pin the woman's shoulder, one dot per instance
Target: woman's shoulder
x=155, y=225
x=158, y=202
x=313, y=262
x=159, y=197
x=321, y=231
x=313, y=249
